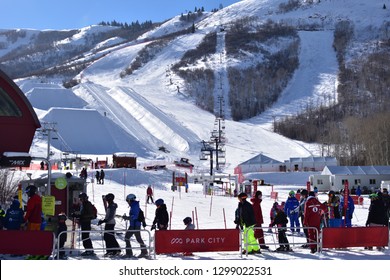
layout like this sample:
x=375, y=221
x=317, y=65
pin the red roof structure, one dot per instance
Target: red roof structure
x=18, y=120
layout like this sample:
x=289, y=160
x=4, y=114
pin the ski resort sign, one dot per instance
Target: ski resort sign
x=206, y=240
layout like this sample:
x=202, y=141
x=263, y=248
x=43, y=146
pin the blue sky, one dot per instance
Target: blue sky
x=71, y=14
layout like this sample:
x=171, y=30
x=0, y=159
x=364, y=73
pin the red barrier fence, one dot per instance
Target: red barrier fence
x=207, y=240
x=355, y=237
x=357, y=199
x=26, y=242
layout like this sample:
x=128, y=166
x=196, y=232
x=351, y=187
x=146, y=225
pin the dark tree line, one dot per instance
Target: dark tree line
x=356, y=129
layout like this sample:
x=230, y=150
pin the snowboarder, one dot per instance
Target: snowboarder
x=312, y=218
x=161, y=218
x=291, y=204
x=134, y=227
x=256, y=204
x=109, y=220
x=149, y=194
x=246, y=219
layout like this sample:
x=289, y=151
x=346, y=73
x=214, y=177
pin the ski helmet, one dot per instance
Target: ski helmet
x=187, y=220
x=83, y=195
x=331, y=193
x=62, y=216
x=159, y=202
x=291, y=193
x=304, y=192
x=130, y=197
x=242, y=195
x=110, y=196
x=31, y=189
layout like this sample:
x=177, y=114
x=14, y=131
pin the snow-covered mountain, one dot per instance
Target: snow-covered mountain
x=151, y=107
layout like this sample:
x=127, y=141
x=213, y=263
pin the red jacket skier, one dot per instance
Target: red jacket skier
x=33, y=215
x=256, y=204
x=312, y=218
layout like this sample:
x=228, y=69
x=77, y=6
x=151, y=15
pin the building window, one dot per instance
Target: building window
x=357, y=181
x=8, y=107
x=320, y=182
x=372, y=182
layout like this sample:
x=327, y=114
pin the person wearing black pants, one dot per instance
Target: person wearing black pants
x=109, y=220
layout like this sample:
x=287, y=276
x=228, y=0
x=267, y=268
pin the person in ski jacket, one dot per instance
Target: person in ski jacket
x=377, y=212
x=281, y=222
x=61, y=227
x=13, y=219
x=333, y=204
x=33, y=216
x=97, y=176
x=85, y=215
x=348, y=212
x=161, y=218
x=109, y=221
x=289, y=208
x=313, y=212
x=246, y=219
x=149, y=194
x=377, y=216
x=256, y=204
x=101, y=178
x=386, y=202
x=134, y=227
x=272, y=214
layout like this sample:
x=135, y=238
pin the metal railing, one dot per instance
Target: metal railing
x=97, y=239
x=244, y=245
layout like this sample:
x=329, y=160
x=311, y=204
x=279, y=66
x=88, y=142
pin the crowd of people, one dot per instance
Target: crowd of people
x=302, y=210
x=309, y=212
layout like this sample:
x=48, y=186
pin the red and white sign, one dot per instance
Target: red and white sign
x=201, y=240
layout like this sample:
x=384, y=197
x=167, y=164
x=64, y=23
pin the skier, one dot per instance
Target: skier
x=246, y=219
x=333, y=210
x=134, y=228
x=189, y=226
x=62, y=237
x=281, y=222
x=2, y=216
x=256, y=204
x=149, y=194
x=188, y=223
x=85, y=215
x=312, y=218
x=14, y=216
x=272, y=214
x=33, y=214
x=109, y=220
x=291, y=204
x=101, y=178
x=161, y=218
x=376, y=214
x=348, y=212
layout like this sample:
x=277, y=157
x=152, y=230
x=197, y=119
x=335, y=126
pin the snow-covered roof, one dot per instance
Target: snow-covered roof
x=312, y=159
x=356, y=170
x=260, y=159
